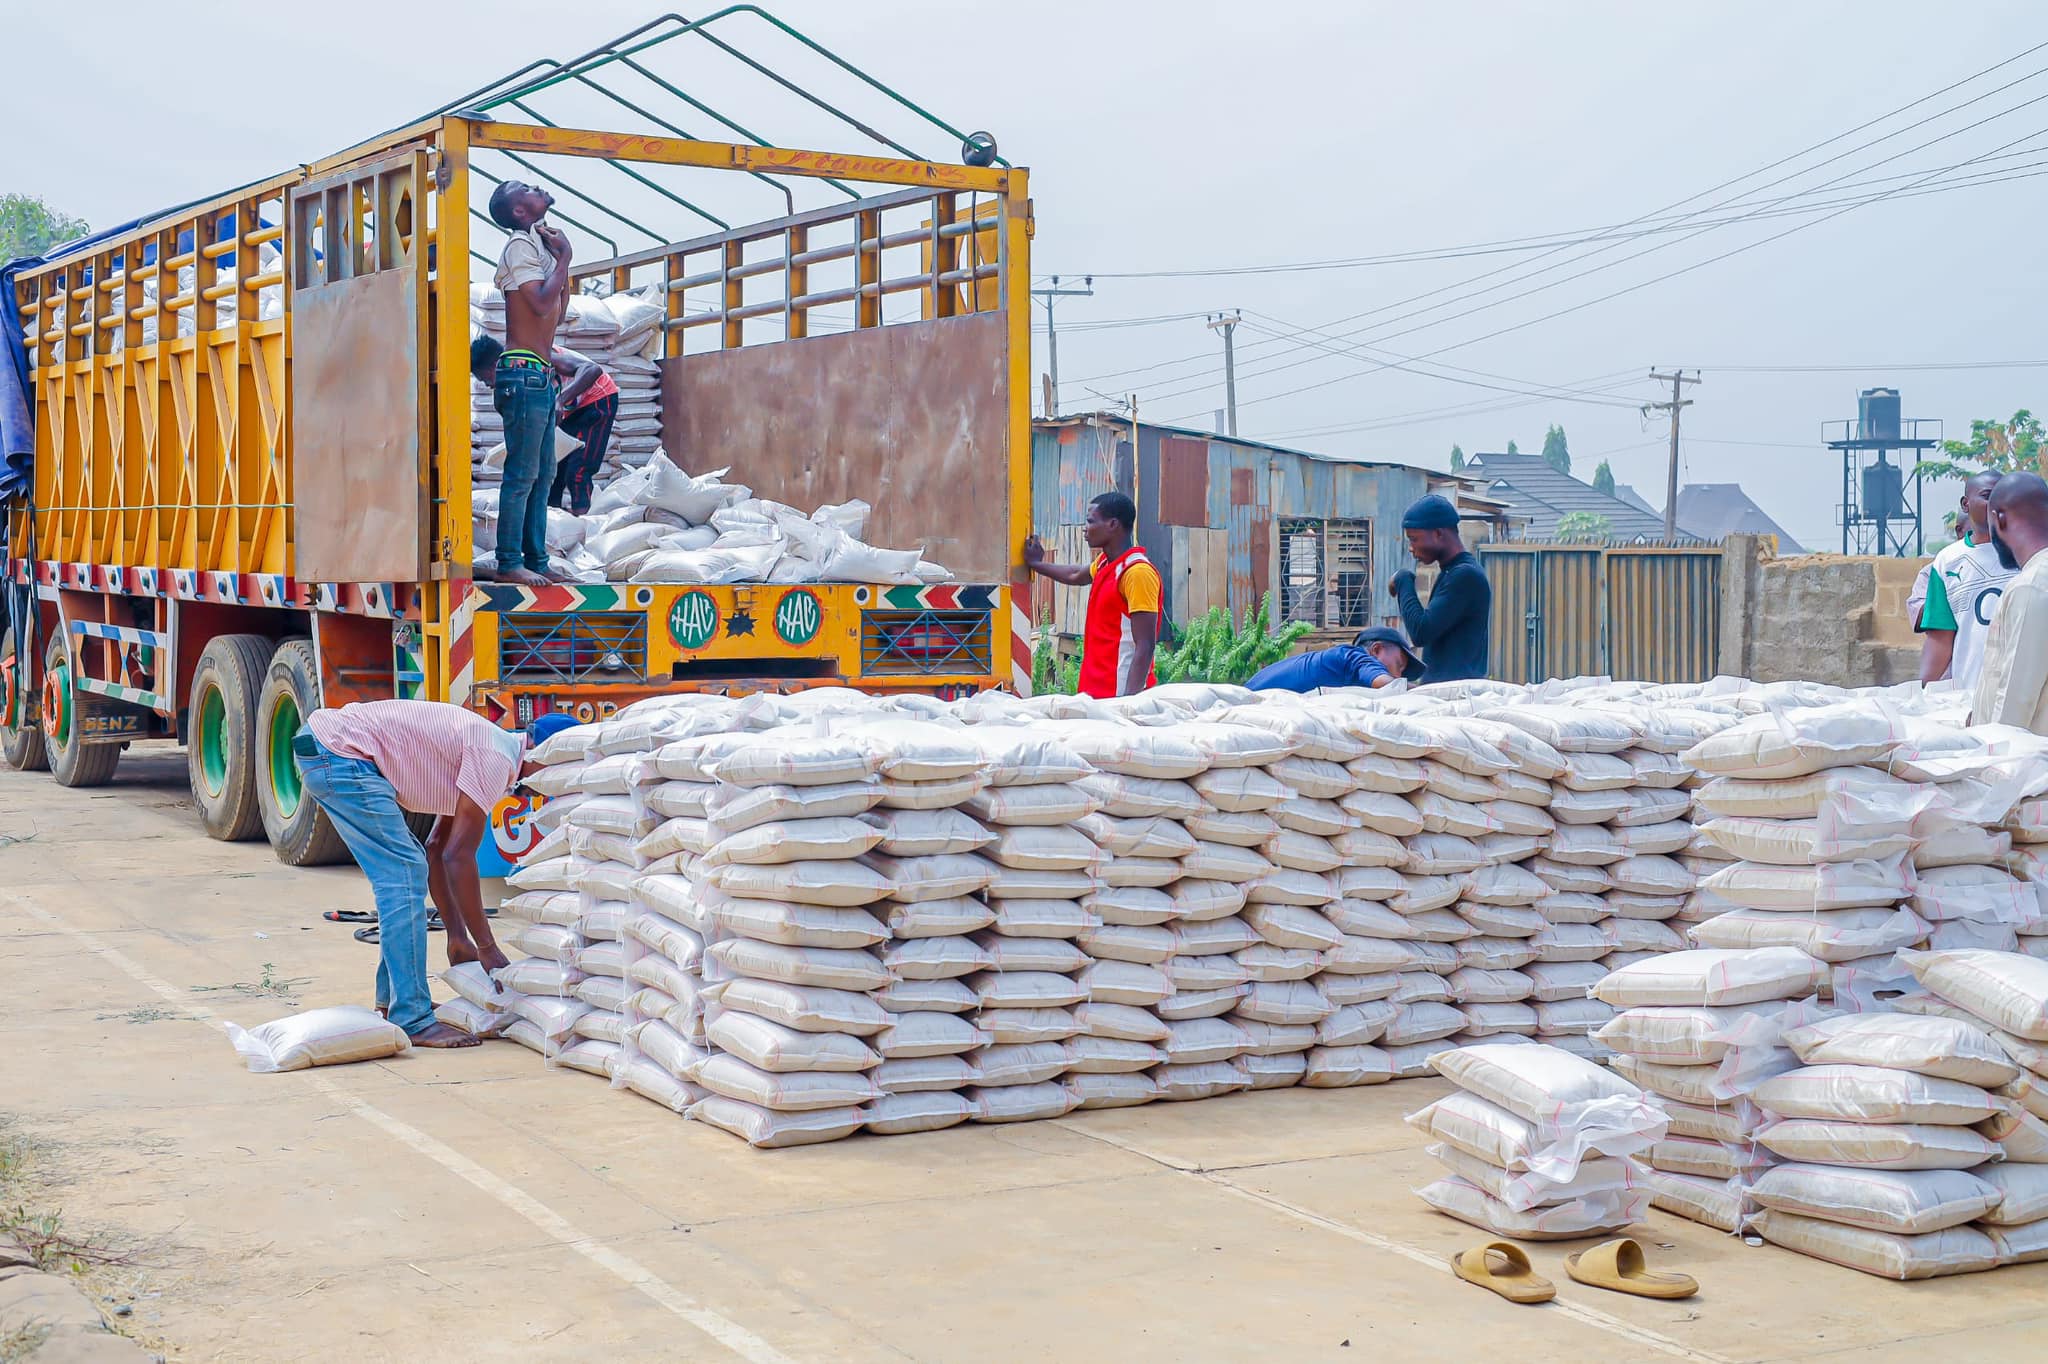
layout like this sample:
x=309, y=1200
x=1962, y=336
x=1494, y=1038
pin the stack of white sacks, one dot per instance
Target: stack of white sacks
x=1880, y=1130
x=1700, y=1029
x=1541, y=1144
x=1618, y=814
x=650, y=521
x=623, y=333
x=1860, y=832
x=905, y=913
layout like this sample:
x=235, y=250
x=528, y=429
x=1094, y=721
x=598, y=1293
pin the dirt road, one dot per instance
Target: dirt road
x=475, y=1206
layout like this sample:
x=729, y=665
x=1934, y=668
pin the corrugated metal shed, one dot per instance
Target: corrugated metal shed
x=1213, y=513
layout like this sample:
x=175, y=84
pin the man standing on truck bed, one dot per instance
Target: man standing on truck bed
x=1452, y=630
x=367, y=764
x=533, y=274
x=590, y=404
x=1124, y=594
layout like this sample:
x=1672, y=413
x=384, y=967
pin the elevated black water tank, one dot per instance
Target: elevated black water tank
x=1883, y=483
x=1877, y=414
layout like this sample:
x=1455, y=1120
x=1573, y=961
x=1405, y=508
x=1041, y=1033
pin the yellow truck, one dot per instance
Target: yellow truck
x=250, y=488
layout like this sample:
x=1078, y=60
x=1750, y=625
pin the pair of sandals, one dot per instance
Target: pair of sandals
x=1618, y=1265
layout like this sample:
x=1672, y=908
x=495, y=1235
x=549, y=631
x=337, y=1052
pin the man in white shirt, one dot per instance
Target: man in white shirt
x=1964, y=585
x=2014, y=687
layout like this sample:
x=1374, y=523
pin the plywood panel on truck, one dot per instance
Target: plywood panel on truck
x=912, y=417
x=359, y=383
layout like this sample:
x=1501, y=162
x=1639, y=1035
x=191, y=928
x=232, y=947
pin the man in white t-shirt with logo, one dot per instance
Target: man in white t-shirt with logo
x=1963, y=587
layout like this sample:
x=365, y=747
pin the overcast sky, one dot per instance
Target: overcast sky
x=1188, y=136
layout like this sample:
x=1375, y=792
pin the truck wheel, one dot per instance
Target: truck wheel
x=220, y=736
x=298, y=829
x=72, y=762
x=22, y=746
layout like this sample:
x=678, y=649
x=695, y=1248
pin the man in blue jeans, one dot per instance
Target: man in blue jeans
x=370, y=762
x=533, y=274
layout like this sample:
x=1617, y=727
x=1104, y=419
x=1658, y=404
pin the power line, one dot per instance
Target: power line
x=1857, y=369
x=1205, y=364
x=1785, y=160
x=1421, y=415
x=1117, y=323
x=1409, y=364
x=1653, y=224
x=1643, y=284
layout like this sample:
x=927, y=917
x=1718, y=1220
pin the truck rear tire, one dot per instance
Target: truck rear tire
x=72, y=762
x=220, y=737
x=22, y=746
x=298, y=829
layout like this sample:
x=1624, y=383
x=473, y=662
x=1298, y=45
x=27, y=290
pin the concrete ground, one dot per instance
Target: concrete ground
x=473, y=1205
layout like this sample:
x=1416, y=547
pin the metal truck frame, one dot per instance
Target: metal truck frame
x=238, y=524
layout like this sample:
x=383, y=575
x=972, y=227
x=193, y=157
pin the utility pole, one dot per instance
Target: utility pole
x=1227, y=325
x=1052, y=336
x=1676, y=378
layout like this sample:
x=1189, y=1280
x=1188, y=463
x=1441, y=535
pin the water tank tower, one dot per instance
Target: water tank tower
x=1882, y=503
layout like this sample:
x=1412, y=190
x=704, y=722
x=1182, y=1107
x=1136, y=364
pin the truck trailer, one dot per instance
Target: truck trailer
x=249, y=486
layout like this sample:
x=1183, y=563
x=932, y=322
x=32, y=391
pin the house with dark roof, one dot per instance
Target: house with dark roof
x=1546, y=497
x=1714, y=511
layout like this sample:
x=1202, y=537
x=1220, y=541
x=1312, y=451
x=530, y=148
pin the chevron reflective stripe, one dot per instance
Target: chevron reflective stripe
x=939, y=597
x=1021, y=639
x=134, y=696
x=126, y=634
x=562, y=597
x=462, y=642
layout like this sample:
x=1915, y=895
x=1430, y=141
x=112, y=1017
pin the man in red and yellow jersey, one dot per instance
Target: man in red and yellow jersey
x=1124, y=595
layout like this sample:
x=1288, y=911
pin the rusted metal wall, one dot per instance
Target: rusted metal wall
x=1207, y=507
x=1641, y=612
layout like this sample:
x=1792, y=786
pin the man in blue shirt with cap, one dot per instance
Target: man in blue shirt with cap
x=1374, y=659
x=1452, y=630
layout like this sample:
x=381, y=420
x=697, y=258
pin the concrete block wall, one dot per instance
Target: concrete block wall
x=1821, y=617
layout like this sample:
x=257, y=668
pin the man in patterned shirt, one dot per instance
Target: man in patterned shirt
x=370, y=762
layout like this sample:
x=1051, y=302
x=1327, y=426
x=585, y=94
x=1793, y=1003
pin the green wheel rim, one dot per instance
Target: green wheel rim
x=213, y=740
x=60, y=692
x=285, y=789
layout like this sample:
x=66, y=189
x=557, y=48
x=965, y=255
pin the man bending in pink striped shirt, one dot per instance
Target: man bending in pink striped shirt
x=370, y=762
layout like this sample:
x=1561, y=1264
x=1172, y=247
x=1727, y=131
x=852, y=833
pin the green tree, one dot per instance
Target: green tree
x=1512, y=450
x=1583, y=528
x=29, y=227
x=1457, y=457
x=2004, y=447
x=1554, y=452
x=1603, y=479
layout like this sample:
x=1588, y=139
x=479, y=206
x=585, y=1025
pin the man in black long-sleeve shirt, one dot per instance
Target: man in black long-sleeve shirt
x=1452, y=630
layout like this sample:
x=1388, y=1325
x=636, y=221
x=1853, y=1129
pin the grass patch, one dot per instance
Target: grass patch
x=23, y=1341
x=148, y=1013
x=270, y=986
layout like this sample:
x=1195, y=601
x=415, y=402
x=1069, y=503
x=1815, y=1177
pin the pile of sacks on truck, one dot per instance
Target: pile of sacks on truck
x=649, y=521
x=800, y=917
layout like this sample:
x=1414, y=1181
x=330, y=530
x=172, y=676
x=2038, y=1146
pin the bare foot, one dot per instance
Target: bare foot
x=383, y=1011
x=440, y=1035
x=525, y=577
x=483, y=573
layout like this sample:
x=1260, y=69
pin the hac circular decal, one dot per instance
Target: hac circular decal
x=797, y=618
x=693, y=620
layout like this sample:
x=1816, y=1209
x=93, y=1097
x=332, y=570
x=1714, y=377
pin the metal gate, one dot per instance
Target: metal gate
x=1643, y=612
